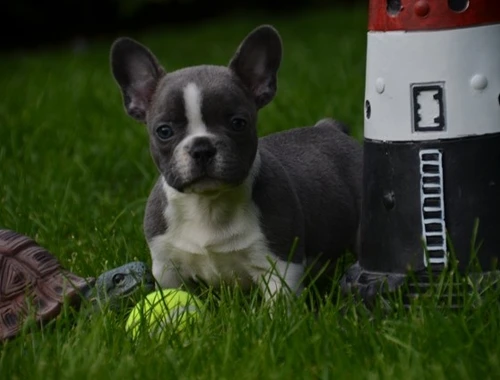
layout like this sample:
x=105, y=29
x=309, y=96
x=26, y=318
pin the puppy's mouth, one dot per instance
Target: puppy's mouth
x=206, y=185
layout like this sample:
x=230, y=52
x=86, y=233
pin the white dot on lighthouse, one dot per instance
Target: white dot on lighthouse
x=380, y=85
x=479, y=82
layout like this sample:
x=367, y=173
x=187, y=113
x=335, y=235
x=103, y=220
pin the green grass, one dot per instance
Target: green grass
x=75, y=172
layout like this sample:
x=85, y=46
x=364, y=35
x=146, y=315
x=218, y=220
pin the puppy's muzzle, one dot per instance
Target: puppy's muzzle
x=202, y=151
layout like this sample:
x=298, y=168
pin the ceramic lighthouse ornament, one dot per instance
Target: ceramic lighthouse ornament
x=432, y=139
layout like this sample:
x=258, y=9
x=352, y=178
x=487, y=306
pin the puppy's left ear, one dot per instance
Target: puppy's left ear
x=256, y=63
x=137, y=73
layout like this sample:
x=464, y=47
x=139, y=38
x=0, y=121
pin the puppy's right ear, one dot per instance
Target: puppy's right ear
x=137, y=72
x=256, y=63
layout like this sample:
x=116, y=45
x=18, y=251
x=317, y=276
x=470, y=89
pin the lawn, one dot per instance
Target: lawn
x=75, y=174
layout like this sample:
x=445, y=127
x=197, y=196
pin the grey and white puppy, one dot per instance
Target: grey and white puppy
x=229, y=206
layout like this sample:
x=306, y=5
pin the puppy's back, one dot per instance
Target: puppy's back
x=324, y=165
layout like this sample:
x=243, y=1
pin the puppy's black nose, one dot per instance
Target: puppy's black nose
x=202, y=150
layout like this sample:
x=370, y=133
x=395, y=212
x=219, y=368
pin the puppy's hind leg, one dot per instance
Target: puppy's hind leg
x=282, y=278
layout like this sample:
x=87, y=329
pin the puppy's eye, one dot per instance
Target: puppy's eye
x=238, y=124
x=164, y=132
x=118, y=278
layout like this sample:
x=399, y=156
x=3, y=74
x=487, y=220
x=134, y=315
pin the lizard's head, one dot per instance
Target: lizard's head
x=120, y=286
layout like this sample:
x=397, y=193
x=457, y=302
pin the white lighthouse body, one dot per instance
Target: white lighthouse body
x=431, y=139
x=433, y=85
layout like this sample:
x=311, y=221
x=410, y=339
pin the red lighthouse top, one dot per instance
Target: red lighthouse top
x=412, y=15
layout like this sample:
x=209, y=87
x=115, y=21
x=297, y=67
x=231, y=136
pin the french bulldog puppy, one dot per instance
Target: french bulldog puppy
x=228, y=206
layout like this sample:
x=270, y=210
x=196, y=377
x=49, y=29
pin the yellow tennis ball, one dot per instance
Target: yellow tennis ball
x=163, y=312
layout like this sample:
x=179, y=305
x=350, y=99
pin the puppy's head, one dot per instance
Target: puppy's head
x=202, y=119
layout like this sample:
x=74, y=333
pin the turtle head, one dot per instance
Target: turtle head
x=121, y=286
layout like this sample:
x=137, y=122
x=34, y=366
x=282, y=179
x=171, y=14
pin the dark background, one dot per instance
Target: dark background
x=29, y=24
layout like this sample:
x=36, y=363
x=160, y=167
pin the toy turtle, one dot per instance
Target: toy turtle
x=31, y=278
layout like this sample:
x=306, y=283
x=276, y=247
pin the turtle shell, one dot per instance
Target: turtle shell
x=32, y=282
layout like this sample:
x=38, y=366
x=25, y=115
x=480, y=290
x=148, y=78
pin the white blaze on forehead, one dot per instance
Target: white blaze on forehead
x=192, y=105
x=195, y=128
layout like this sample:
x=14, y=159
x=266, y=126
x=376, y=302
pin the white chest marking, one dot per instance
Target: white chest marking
x=213, y=239
x=218, y=239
